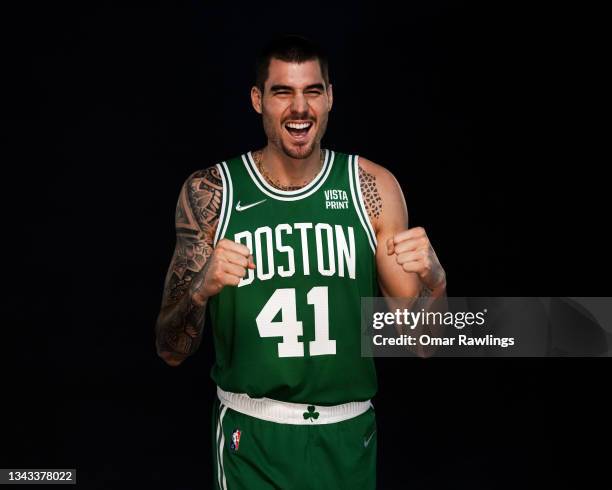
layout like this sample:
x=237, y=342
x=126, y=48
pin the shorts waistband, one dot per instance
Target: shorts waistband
x=291, y=413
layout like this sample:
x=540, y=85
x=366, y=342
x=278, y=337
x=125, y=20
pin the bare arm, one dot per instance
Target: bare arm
x=407, y=265
x=388, y=214
x=179, y=325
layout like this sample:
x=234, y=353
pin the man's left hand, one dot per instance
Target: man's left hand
x=414, y=253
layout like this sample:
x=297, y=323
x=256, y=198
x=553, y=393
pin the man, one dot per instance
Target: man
x=281, y=244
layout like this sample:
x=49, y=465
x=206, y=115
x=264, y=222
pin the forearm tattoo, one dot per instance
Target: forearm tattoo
x=369, y=191
x=425, y=291
x=179, y=326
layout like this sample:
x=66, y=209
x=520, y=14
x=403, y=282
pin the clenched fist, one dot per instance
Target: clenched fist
x=414, y=253
x=226, y=267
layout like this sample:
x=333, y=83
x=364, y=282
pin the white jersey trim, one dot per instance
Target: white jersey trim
x=220, y=469
x=226, y=202
x=291, y=413
x=301, y=193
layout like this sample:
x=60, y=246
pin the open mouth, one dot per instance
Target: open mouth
x=298, y=131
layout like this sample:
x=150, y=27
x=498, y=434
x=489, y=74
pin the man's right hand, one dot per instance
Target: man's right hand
x=226, y=266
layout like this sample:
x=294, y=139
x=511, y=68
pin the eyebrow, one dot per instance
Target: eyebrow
x=276, y=88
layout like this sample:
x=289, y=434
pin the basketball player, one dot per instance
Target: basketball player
x=281, y=244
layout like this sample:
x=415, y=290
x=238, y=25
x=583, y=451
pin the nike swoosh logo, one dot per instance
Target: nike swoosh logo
x=367, y=441
x=242, y=208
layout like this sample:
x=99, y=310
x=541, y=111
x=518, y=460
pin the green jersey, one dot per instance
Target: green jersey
x=291, y=329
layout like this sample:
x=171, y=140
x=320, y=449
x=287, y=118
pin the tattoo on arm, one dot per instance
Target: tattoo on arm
x=179, y=325
x=369, y=191
x=424, y=291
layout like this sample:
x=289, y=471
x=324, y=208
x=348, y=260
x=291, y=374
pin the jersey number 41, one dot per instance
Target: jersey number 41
x=289, y=328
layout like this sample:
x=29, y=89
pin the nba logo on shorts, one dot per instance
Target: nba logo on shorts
x=235, y=440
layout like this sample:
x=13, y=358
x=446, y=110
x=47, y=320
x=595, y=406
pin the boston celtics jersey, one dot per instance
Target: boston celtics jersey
x=291, y=329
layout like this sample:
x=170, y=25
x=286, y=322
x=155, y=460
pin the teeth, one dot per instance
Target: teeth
x=298, y=126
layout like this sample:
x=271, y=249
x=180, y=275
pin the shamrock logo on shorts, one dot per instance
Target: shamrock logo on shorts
x=311, y=414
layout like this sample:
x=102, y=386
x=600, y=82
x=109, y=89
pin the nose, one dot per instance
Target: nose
x=299, y=104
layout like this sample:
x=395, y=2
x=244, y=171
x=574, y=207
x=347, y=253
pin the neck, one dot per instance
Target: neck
x=284, y=171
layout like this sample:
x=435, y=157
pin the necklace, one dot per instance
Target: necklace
x=257, y=156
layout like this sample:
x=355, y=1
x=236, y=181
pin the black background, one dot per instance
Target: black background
x=479, y=111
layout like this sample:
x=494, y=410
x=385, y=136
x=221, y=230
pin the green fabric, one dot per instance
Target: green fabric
x=269, y=455
x=249, y=362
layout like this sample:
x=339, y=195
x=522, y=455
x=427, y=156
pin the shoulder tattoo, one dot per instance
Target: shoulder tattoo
x=371, y=196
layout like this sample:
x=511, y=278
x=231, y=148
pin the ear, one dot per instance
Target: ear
x=330, y=97
x=256, y=97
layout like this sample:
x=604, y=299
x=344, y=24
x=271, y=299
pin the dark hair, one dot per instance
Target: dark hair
x=289, y=48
